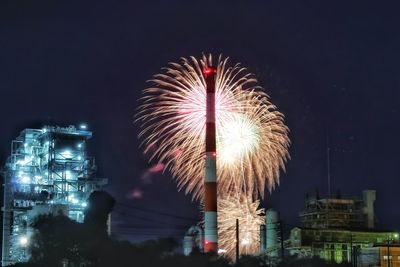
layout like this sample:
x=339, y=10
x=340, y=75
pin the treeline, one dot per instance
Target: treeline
x=61, y=242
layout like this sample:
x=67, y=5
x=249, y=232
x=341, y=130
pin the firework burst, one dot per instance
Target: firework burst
x=252, y=139
x=250, y=219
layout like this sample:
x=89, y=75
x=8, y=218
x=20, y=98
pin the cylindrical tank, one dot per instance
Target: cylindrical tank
x=263, y=240
x=271, y=222
x=193, y=239
x=188, y=244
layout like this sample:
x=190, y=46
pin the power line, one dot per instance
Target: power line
x=156, y=212
x=151, y=220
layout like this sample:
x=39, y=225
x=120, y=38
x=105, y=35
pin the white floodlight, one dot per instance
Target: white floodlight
x=26, y=180
x=23, y=241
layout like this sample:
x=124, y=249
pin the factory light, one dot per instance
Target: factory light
x=66, y=154
x=26, y=180
x=23, y=241
x=83, y=126
x=72, y=199
x=68, y=174
x=24, y=162
x=84, y=204
x=221, y=251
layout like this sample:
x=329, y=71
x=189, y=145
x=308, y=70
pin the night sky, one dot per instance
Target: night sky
x=332, y=69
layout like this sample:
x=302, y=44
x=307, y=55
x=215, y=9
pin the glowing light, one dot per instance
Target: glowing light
x=84, y=204
x=26, y=180
x=23, y=241
x=66, y=154
x=209, y=70
x=157, y=168
x=68, y=174
x=252, y=139
x=221, y=251
x=25, y=161
x=83, y=126
x=72, y=199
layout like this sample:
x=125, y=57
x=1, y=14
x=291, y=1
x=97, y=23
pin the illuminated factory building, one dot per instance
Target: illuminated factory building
x=48, y=171
x=343, y=230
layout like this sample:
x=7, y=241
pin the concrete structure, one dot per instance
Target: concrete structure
x=193, y=239
x=210, y=179
x=48, y=171
x=335, y=229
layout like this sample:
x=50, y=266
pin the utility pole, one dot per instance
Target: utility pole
x=353, y=251
x=281, y=234
x=210, y=179
x=328, y=163
x=237, y=240
x=355, y=256
x=388, y=253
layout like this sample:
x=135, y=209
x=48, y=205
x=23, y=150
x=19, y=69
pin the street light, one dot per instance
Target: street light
x=23, y=241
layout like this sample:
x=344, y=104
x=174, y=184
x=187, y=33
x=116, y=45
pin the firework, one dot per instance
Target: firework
x=252, y=139
x=250, y=219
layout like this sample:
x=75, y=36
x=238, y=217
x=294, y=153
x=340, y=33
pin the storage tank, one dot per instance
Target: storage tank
x=271, y=222
x=193, y=239
x=263, y=238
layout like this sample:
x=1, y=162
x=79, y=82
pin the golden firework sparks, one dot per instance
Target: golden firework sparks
x=252, y=138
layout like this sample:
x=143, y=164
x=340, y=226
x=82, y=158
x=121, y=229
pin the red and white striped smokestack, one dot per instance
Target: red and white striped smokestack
x=210, y=180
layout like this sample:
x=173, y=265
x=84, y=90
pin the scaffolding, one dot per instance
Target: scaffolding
x=347, y=213
x=48, y=171
x=336, y=229
x=333, y=213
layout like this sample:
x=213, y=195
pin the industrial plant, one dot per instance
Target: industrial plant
x=343, y=230
x=340, y=230
x=48, y=172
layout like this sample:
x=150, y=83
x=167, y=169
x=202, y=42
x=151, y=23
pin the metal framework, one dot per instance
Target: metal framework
x=334, y=229
x=333, y=213
x=327, y=213
x=48, y=171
